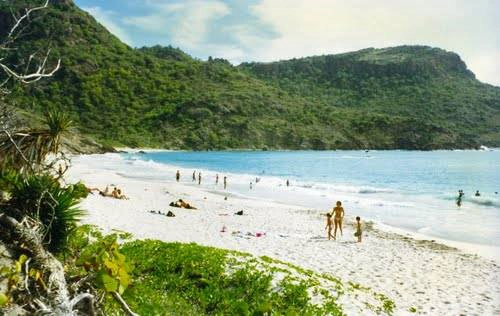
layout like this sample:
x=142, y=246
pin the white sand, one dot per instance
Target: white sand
x=435, y=279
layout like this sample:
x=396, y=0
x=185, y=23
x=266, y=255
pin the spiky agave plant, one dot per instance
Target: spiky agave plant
x=42, y=198
x=58, y=123
x=26, y=150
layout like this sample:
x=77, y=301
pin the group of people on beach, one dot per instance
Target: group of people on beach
x=178, y=178
x=115, y=193
x=338, y=216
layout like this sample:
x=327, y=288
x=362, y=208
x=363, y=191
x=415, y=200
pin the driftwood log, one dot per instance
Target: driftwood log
x=57, y=301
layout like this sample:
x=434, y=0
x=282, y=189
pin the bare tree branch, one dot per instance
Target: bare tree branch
x=35, y=76
x=17, y=148
x=26, y=76
x=26, y=16
x=123, y=304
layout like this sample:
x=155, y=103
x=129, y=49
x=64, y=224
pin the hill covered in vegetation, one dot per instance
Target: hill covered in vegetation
x=410, y=97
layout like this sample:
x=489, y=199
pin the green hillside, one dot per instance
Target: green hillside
x=404, y=97
x=427, y=85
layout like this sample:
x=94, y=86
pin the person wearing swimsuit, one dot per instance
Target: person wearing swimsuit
x=338, y=213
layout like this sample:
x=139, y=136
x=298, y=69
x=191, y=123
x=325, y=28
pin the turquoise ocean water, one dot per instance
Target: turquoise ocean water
x=412, y=190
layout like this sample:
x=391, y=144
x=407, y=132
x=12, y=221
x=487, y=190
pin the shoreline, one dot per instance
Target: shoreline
x=429, y=276
x=491, y=252
x=485, y=251
x=147, y=149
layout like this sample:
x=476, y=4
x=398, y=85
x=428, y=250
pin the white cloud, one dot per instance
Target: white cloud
x=185, y=23
x=332, y=26
x=486, y=67
x=106, y=19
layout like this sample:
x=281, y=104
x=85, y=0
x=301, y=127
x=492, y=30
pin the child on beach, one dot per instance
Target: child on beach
x=329, y=224
x=337, y=220
x=358, y=232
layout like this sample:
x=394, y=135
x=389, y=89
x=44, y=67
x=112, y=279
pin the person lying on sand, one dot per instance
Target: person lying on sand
x=338, y=211
x=106, y=192
x=168, y=214
x=116, y=193
x=91, y=190
x=180, y=203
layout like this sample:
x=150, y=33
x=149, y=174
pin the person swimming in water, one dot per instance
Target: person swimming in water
x=338, y=212
x=477, y=193
x=459, y=198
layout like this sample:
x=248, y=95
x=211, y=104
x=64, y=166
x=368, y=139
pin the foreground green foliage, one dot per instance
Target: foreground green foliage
x=26, y=149
x=28, y=185
x=104, y=259
x=405, y=97
x=98, y=258
x=43, y=198
x=193, y=279
x=188, y=279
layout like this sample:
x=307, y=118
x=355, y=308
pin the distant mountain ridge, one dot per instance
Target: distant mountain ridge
x=407, y=97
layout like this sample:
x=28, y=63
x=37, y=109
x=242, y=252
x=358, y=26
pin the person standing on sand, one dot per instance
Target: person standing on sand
x=358, y=232
x=225, y=182
x=287, y=183
x=194, y=175
x=250, y=185
x=329, y=225
x=338, y=211
x=199, y=178
x=177, y=176
x=216, y=179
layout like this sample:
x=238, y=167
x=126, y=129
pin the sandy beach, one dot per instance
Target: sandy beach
x=434, y=278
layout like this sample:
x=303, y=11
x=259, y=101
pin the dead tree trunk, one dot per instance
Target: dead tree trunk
x=57, y=302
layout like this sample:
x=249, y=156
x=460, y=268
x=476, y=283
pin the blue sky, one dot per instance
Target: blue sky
x=266, y=30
